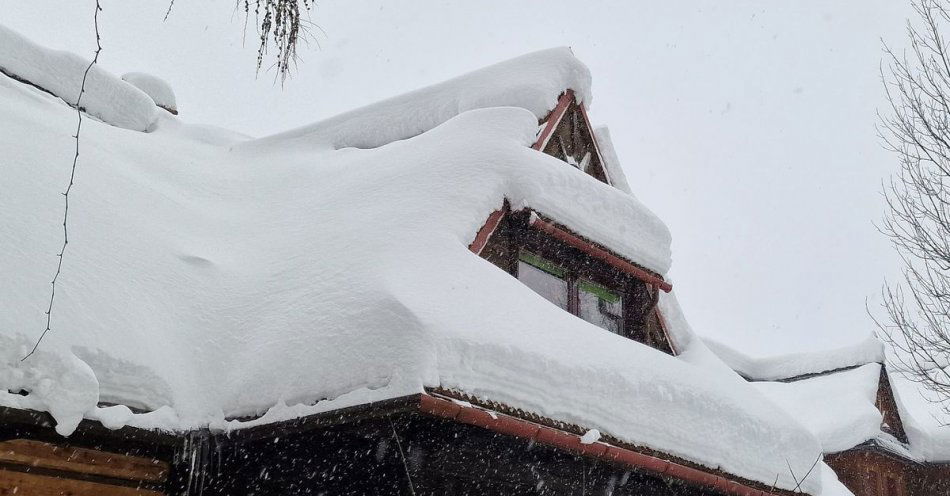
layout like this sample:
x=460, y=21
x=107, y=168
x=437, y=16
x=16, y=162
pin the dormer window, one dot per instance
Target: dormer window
x=586, y=299
x=545, y=278
x=577, y=277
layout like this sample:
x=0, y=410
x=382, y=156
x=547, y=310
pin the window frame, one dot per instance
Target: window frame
x=574, y=282
x=641, y=320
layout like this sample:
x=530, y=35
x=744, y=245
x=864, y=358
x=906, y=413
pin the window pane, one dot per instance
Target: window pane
x=600, y=306
x=544, y=278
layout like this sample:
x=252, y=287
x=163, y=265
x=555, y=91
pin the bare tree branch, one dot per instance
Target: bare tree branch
x=281, y=22
x=917, y=129
x=69, y=187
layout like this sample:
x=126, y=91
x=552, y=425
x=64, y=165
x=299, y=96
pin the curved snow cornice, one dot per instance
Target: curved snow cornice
x=60, y=73
x=793, y=365
x=532, y=82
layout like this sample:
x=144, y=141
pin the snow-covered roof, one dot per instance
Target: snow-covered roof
x=210, y=277
x=532, y=82
x=925, y=419
x=838, y=408
x=611, y=162
x=793, y=365
x=834, y=395
x=104, y=95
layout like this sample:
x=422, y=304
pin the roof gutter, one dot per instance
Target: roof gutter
x=505, y=424
x=599, y=253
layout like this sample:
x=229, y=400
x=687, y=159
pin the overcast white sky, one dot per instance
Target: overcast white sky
x=748, y=126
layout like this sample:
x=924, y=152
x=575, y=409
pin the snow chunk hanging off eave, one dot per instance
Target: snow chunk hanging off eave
x=61, y=73
x=798, y=364
x=533, y=82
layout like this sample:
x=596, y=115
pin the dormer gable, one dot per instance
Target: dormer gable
x=576, y=274
x=567, y=134
x=886, y=404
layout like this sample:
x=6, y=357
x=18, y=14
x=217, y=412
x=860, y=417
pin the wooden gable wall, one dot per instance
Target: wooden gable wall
x=571, y=138
x=887, y=405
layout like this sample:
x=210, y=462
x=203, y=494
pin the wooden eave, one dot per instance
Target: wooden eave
x=437, y=403
x=568, y=438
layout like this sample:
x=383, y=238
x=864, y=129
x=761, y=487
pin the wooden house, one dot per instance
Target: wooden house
x=448, y=292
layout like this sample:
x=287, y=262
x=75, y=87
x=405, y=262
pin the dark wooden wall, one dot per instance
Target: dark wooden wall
x=872, y=472
x=440, y=457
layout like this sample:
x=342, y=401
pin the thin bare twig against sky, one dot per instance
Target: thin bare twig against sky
x=69, y=187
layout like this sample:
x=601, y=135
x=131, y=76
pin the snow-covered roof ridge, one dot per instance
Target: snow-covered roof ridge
x=796, y=365
x=105, y=96
x=533, y=82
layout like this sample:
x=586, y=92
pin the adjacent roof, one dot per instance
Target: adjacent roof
x=210, y=277
x=834, y=394
x=797, y=365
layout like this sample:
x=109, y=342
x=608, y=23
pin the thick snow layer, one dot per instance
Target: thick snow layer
x=797, y=364
x=830, y=485
x=533, y=82
x=925, y=419
x=56, y=381
x=61, y=73
x=611, y=162
x=207, y=281
x=838, y=408
x=157, y=89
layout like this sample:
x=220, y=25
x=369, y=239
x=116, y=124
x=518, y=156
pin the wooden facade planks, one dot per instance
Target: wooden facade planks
x=29, y=484
x=81, y=460
x=870, y=472
x=32, y=467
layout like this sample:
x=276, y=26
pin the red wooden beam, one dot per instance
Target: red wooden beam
x=600, y=253
x=593, y=138
x=481, y=238
x=553, y=119
x=512, y=426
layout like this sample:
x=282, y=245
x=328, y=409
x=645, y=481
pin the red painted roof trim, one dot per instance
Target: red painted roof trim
x=505, y=424
x=593, y=138
x=666, y=333
x=553, y=119
x=481, y=238
x=600, y=253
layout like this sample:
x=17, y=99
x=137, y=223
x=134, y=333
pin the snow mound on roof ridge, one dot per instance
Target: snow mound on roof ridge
x=61, y=73
x=533, y=82
x=839, y=409
x=156, y=88
x=778, y=367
